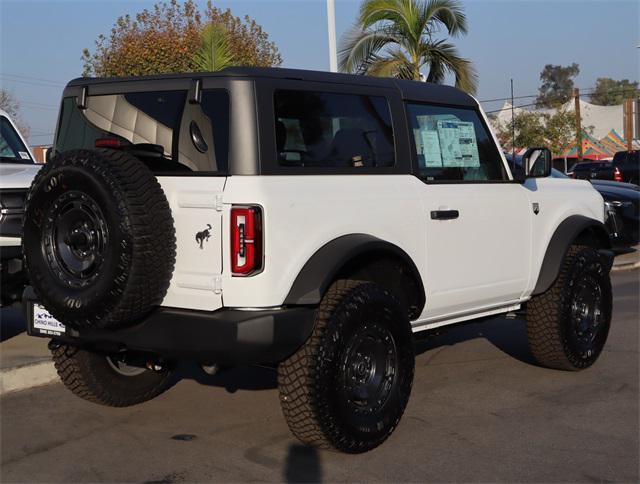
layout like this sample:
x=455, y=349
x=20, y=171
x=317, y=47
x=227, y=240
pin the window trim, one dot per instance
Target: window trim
x=483, y=121
x=270, y=165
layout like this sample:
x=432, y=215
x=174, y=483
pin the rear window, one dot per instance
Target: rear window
x=321, y=129
x=162, y=128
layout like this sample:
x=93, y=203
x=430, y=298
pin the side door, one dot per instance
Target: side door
x=477, y=221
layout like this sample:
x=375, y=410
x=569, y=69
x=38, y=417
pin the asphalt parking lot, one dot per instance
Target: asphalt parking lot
x=480, y=410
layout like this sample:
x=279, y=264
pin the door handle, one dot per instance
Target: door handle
x=444, y=214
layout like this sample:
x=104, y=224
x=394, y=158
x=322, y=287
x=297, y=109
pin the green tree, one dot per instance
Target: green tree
x=529, y=131
x=556, y=130
x=167, y=37
x=609, y=92
x=215, y=52
x=398, y=38
x=557, y=85
x=10, y=105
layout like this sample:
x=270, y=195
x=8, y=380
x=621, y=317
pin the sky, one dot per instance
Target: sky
x=41, y=42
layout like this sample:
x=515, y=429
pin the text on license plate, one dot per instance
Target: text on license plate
x=45, y=323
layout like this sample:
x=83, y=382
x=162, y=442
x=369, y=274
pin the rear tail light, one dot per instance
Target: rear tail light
x=617, y=176
x=246, y=240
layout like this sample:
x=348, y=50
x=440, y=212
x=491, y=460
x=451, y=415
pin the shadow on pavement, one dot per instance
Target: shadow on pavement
x=508, y=335
x=231, y=379
x=12, y=322
x=302, y=464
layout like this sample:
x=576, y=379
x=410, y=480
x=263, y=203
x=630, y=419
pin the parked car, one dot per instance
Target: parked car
x=585, y=170
x=307, y=220
x=625, y=167
x=564, y=164
x=17, y=169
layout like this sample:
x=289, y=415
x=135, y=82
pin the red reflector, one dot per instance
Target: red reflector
x=617, y=176
x=108, y=143
x=246, y=240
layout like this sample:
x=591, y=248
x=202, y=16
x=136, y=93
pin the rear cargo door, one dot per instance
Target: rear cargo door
x=196, y=205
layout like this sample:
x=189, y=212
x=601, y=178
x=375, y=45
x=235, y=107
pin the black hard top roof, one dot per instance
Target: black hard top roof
x=410, y=90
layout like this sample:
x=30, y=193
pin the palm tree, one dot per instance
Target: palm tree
x=215, y=52
x=397, y=38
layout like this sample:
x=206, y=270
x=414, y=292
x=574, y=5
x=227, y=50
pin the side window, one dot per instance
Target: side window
x=167, y=132
x=204, y=133
x=320, y=129
x=452, y=144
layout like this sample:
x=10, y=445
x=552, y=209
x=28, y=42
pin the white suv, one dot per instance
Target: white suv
x=17, y=169
x=309, y=220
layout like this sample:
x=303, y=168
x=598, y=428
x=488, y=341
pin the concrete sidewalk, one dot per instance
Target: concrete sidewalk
x=25, y=361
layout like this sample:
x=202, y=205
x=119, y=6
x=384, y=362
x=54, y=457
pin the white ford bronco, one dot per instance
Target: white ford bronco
x=307, y=220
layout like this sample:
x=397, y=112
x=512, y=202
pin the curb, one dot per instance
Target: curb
x=27, y=376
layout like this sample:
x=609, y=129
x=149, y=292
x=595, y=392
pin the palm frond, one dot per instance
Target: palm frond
x=360, y=47
x=394, y=64
x=215, y=53
x=449, y=13
x=400, y=13
x=443, y=57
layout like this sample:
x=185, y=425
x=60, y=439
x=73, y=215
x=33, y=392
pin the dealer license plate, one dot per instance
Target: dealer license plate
x=44, y=323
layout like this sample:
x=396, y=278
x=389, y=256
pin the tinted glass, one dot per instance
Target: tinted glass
x=317, y=129
x=12, y=149
x=453, y=144
x=163, y=129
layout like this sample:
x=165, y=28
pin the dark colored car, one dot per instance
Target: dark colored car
x=586, y=170
x=625, y=167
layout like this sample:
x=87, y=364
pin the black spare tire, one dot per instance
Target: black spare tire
x=99, y=241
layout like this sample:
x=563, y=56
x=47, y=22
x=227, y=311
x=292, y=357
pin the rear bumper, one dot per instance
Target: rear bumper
x=225, y=336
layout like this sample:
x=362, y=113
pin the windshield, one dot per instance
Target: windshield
x=12, y=149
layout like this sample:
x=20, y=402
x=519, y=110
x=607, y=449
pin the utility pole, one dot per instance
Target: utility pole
x=576, y=95
x=513, y=131
x=331, y=27
x=628, y=123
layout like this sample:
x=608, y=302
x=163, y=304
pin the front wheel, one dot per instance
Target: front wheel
x=568, y=325
x=108, y=379
x=347, y=387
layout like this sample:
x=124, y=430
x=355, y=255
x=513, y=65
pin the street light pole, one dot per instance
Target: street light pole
x=331, y=24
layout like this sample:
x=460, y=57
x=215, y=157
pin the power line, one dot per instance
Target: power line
x=33, y=79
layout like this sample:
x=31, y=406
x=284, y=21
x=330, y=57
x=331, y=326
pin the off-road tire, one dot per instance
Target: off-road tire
x=552, y=327
x=90, y=376
x=125, y=226
x=310, y=382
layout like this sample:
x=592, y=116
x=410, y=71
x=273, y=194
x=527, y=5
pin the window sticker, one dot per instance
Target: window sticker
x=431, y=148
x=24, y=155
x=458, y=144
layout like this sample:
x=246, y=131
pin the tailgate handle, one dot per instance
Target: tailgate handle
x=444, y=214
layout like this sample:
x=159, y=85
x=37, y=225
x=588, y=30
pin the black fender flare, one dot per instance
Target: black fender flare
x=564, y=236
x=320, y=270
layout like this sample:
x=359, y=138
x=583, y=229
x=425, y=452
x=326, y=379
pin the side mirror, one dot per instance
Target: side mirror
x=48, y=153
x=537, y=162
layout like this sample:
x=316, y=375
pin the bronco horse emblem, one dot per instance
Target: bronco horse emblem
x=203, y=236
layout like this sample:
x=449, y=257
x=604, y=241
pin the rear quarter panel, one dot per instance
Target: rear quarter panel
x=303, y=213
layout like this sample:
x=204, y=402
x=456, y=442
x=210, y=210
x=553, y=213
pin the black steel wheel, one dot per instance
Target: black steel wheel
x=347, y=387
x=568, y=324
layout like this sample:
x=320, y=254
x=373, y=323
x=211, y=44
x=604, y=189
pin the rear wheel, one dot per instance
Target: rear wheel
x=568, y=324
x=347, y=387
x=108, y=379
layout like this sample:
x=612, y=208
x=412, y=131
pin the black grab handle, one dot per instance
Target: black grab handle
x=444, y=214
